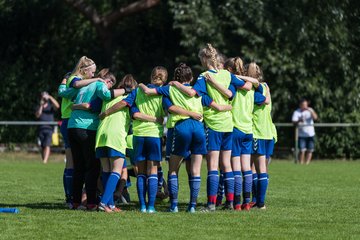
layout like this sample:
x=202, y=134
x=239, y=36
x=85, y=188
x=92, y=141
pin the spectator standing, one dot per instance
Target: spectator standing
x=45, y=112
x=304, y=117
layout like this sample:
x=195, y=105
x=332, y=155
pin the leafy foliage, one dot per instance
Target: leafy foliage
x=305, y=48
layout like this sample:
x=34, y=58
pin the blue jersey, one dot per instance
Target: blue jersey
x=165, y=91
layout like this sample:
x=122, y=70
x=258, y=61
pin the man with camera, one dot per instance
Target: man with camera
x=304, y=117
x=45, y=113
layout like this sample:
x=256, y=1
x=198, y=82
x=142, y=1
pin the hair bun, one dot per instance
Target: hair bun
x=182, y=65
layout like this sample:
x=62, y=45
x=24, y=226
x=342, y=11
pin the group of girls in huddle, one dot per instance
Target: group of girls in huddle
x=224, y=115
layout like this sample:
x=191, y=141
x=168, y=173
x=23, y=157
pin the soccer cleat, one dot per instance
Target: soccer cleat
x=208, y=208
x=228, y=206
x=102, y=207
x=261, y=207
x=252, y=204
x=91, y=207
x=81, y=207
x=143, y=209
x=174, y=210
x=115, y=209
x=191, y=209
x=246, y=206
x=237, y=207
x=151, y=210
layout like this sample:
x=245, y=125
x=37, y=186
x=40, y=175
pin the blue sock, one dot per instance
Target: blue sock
x=104, y=178
x=68, y=182
x=261, y=190
x=141, y=189
x=152, y=189
x=194, y=183
x=173, y=186
x=160, y=176
x=107, y=197
x=221, y=191
x=238, y=187
x=229, y=186
x=247, y=186
x=212, y=186
x=254, y=187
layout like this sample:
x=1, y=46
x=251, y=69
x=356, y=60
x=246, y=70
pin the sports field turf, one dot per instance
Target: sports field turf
x=319, y=201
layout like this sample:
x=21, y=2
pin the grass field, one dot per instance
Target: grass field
x=319, y=201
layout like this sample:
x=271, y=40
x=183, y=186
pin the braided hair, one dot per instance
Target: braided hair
x=253, y=70
x=183, y=73
x=208, y=56
x=235, y=65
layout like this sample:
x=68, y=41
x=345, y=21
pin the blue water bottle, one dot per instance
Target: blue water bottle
x=9, y=210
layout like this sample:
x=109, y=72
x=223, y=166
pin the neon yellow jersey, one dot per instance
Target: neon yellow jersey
x=112, y=131
x=170, y=123
x=262, y=121
x=150, y=105
x=66, y=104
x=129, y=141
x=242, y=110
x=180, y=99
x=216, y=120
x=274, y=131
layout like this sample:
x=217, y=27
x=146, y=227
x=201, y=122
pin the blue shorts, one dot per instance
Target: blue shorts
x=241, y=143
x=64, y=132
x=306, y=144
x=270, y=148
x=147, y=148
x=218, y=141
x=263, y=147
x=108, y=152
x=169, y=143
x=189, y=136
x=45, y=137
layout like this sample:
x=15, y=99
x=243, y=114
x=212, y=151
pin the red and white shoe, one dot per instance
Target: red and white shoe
x=102, y=207
x=237, y=207
x=252, y=204
x=115, y=209
x=246, y=206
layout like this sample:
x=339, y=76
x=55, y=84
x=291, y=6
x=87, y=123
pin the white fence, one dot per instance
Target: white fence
x=286, y=125
x=296, y=129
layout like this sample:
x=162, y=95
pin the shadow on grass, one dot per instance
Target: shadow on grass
x=161, y=206
x=38, y=205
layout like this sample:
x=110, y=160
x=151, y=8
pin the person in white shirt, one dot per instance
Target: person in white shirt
x=303, y=117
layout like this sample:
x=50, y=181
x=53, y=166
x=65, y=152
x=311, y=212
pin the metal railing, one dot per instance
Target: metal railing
x=295, y=126
x=27, y=123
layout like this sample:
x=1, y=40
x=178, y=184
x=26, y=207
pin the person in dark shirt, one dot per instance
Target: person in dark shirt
x=45, y=113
